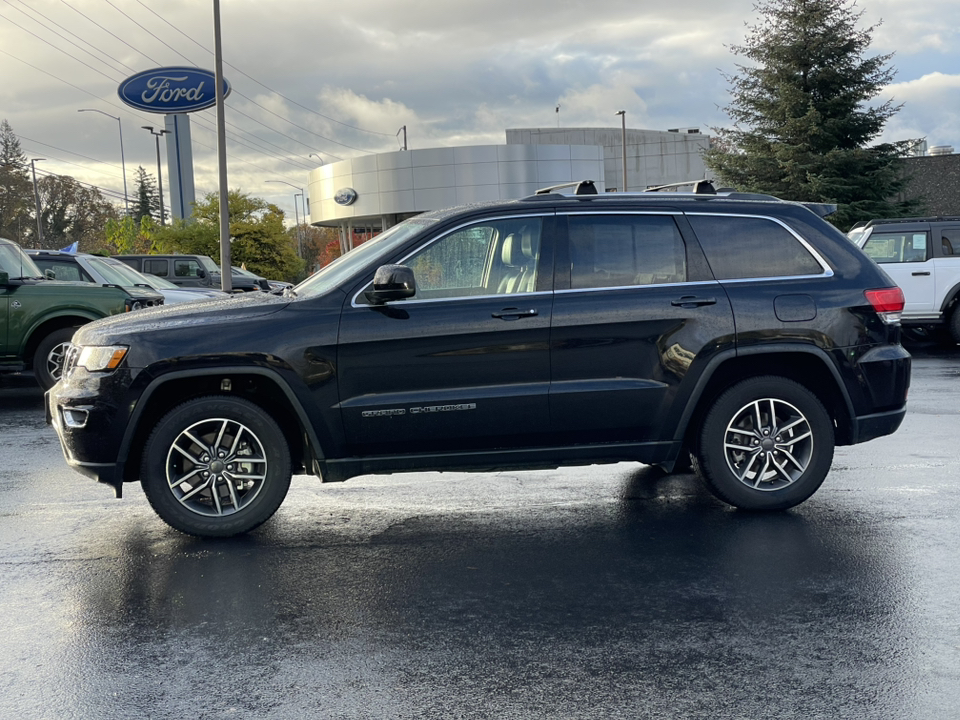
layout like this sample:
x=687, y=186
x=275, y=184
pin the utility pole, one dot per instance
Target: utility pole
x=623, y=141
x=226, y=267
x=36, y=197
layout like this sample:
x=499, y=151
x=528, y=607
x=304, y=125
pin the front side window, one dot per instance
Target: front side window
x=186, y=268
x=64, y=271
x=495, y=257
x=739, y=248
x=897, y=247
x=625, y=250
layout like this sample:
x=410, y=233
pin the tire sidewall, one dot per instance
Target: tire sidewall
x=153, y=469
x=711, y=458
x=58, y=337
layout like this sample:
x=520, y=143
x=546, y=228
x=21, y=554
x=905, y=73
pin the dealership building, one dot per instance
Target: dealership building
x=365, y=195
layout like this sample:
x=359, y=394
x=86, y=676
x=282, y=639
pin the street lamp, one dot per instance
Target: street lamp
x=36, y=197
x=123, y=164
x=296, y=212
x=623, y=140
x=157, y=134
x=317, y=157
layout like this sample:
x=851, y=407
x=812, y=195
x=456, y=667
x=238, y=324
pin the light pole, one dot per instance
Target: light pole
x=295, y=211
x=623, y=141
x=317, y=157
x=157, y=134
x=123, y=164
x=36, y=197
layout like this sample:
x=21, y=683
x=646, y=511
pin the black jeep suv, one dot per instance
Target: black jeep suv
x=740, y=330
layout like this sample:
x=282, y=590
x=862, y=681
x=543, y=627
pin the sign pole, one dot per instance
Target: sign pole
x=226, y=271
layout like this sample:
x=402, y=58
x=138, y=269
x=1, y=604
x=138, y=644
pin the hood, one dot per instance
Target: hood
x=231, y=309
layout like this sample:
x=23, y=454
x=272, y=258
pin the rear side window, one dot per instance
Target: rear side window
x=625, y=250
x=154, y=267
x=897, y=247
x=749, y=247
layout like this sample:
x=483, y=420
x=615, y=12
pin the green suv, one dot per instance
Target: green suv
x=39, y=316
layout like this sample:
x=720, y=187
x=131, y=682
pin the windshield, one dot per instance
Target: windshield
x=115, y=272
x=344, y=266
x=16, y=263
x=158, y=283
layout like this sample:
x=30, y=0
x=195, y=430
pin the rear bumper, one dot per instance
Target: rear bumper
x=877, y=425
x=885, y=377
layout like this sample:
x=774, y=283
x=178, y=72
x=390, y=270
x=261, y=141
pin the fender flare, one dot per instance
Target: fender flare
x=715, y=362
x=158, y=382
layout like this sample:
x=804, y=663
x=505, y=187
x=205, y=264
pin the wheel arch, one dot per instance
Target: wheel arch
x=47, y=326
x=807, y=365
x=262, y=386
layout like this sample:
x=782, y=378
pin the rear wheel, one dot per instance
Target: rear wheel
x=955, y=324
x=49, y=357
x=765, y=444
x=216, y=466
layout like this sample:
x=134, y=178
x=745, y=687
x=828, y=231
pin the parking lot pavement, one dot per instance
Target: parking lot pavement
x=599, y=592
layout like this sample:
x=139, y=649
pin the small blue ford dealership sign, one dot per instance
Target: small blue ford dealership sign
x=171, y=90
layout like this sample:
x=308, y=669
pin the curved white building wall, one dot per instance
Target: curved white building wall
x=413, y=181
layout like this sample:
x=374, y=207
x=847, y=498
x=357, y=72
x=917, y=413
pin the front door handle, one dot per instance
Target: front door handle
x=691, y=301
x=925, y=272
x=513, y=314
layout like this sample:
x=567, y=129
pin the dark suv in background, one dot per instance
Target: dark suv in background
x=553, y=330
x=192, y=271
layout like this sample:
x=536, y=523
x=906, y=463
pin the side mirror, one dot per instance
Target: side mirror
x=50, y=274
x=392, y=282
x=201, y=273
x=4, y=278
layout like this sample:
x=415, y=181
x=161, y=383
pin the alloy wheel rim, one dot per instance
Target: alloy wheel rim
x=216, y=467
x=768, y=444
x=55, y=360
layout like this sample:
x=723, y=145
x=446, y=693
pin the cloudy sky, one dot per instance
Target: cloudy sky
x=340, y=79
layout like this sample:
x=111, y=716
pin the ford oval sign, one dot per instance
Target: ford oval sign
x=171, y=90
x=346, y=196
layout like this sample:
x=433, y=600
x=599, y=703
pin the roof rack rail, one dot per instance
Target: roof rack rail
x=700, y=187
x=583, y=187
x=932, y=218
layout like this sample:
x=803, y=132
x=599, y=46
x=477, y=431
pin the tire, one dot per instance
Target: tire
x=782, y=462
x=955, y=324
x=49, y=356
x=219, y=443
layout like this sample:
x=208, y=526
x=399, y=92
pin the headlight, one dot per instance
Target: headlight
x=98, y=359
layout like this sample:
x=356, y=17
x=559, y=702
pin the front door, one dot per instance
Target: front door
x=465, y=363
x=906, y=257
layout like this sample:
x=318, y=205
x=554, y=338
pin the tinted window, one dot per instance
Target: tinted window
x=186, y=268
x=897, y=247
x=489, y=258
x=154, y=267
x=950, y=241
x=739, y=247
x=624, y=250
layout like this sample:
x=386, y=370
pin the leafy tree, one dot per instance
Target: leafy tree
x=146, y=197
x=126, y=236
x=71, y=213
x=801, y=124
x=321, y=245
x=259, y=240
x=16, y=189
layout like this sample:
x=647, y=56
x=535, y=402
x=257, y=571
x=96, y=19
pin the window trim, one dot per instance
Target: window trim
x=824, y=265
x=437, y=238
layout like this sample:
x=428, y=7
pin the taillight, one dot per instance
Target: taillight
x=888, y=302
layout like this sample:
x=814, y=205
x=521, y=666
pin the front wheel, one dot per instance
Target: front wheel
x=216, y=466
x=49, y=357
x=765, y=444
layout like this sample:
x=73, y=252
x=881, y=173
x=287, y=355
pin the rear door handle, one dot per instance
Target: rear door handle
x=513, y=314
x=926, y=272
x=691, y=301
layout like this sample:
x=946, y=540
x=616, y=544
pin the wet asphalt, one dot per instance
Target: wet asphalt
x=600, y=592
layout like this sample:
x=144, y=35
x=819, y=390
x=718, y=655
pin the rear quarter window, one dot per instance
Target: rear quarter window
x=751, y=247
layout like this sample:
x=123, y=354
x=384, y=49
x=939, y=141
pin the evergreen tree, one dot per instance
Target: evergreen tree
x=16, y=189
x=146, y=198
x=802, y=129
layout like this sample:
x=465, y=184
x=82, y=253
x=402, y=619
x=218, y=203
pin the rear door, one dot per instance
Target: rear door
x=463, y=365
x=905, y=253
x=635, y=305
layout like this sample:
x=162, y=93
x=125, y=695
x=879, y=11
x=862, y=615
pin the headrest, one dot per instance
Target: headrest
x=510, y=253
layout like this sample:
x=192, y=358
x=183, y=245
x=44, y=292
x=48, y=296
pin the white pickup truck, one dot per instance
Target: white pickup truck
x=922, y=255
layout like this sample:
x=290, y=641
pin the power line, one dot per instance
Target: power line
x=304, y=107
